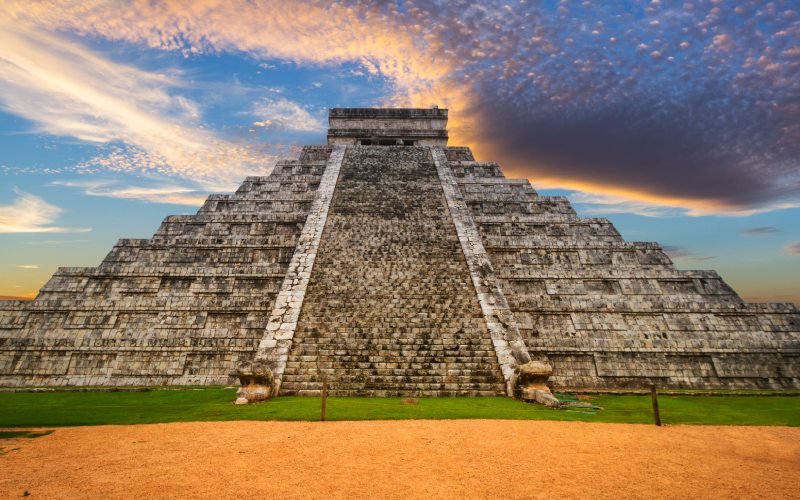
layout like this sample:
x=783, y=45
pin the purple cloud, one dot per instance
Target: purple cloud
x=760, y=231
x=697, y=102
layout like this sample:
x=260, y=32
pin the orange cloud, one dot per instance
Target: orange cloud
x=31, y=214
x=303, y=31
x=409, y=50
x=83, y=95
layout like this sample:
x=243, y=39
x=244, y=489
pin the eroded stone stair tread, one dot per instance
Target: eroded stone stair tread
x=391, y=289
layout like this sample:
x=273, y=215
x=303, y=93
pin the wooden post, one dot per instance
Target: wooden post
x=654, y=396
x=324, y=397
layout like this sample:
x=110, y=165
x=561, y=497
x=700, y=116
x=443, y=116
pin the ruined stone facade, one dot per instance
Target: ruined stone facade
x=388, y=263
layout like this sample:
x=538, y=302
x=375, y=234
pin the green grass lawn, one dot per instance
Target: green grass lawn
x=97, y=408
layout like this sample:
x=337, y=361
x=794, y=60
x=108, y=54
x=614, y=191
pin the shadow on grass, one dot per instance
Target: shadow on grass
x=23, y=434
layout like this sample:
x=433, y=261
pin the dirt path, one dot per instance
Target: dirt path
x=404, y=459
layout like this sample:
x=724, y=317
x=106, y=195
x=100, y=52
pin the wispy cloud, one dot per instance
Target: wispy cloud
x=760, y=231
x=174, y=194
x=625, y=202
x=332, y=32
x=668, y=103
x=78, y=93
x=684, y=254
x=284, y=114
x=31, y=214
x=54, y=242
x=597, y=203
x=27, y=266
x=792, y=248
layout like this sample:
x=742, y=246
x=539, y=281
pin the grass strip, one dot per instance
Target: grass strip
x=101, y=408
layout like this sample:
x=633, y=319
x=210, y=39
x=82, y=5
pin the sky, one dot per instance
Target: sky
x=679, y=121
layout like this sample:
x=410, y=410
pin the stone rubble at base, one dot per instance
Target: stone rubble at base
x=388, y=263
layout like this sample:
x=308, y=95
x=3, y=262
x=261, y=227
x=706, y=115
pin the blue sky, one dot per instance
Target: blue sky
x=679, y=121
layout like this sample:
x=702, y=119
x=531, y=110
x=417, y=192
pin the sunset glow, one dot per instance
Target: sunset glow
x=678, y=121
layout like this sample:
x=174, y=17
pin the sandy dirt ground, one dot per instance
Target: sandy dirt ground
x=404, y=459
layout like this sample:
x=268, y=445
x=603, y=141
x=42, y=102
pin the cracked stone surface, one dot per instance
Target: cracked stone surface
x=391, y=309
x=411, y=270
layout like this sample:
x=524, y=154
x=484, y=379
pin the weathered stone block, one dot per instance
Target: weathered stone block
x=409, y=269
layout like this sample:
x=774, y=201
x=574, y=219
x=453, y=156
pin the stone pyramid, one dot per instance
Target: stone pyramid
x=388, y=263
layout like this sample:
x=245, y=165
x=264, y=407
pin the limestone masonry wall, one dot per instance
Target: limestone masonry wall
x=393, y=270
x=610, y=313
x=183, y=307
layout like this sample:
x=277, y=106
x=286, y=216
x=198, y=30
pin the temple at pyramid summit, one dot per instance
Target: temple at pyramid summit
x=387, y=262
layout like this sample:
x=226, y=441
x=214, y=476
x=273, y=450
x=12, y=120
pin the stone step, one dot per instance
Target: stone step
x=415, y=393
x=391, y=309
x=388, y=377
